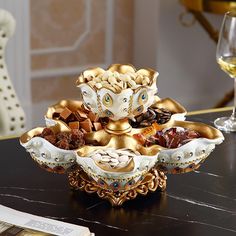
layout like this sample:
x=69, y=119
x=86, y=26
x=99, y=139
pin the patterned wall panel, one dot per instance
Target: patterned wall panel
x=70, y=36
x=74, y=34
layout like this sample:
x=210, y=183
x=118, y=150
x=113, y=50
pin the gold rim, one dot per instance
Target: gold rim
x=213, y=110
x=212, y=6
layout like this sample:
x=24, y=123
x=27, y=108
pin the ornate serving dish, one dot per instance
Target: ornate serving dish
x=114, y=161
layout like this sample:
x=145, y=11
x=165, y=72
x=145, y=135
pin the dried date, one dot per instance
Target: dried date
x=64, y=140
x=170, y=138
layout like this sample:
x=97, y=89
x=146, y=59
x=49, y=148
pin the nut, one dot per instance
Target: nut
x=114, y=79
x=112, y=158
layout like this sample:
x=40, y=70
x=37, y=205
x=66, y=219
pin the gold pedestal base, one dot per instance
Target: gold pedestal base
x=118, y=127
x=152, y=181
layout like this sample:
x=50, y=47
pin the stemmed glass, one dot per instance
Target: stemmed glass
x=226, y=58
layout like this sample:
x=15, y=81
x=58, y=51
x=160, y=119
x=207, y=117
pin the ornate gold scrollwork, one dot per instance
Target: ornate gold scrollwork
x=152, y=181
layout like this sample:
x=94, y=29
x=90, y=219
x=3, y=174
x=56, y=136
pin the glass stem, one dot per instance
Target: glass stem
x=234, y=109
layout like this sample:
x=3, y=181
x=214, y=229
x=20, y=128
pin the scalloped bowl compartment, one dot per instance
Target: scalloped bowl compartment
x=133, y=172
x=48, y=156
x=189, y=156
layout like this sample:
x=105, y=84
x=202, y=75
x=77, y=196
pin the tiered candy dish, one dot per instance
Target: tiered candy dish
x=127, y=138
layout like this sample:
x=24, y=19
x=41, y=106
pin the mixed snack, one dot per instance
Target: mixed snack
x=116, y=82
x=113, y=158
x=64, y=140
x=87, y=121
x=157, y=115
x=82, y=119
x=169, y=138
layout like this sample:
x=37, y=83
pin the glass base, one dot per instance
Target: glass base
x=227, y=124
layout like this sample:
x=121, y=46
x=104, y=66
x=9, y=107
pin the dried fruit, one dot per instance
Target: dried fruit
x=170, y=138
x=63, y=144
x=47, y=131
x=64, y=140
x=51, y=138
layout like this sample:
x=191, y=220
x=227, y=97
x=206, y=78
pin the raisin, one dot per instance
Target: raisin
x=47, y=131
x=51, y=138
x=64, y=135
x=63, y=144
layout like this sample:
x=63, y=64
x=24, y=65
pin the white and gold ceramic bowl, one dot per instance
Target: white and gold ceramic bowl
x=141, y=159
x=121, y=103
x=191, y=155
x=102, y=168
x=45, y=154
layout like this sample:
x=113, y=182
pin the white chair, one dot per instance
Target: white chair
x=12, y=116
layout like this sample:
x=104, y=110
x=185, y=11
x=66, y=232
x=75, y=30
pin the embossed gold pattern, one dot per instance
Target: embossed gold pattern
x=143, y=97
x=107, y=100
x=152, y=181
x=191, y=166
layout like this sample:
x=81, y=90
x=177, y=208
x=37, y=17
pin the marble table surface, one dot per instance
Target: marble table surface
x=199, y=203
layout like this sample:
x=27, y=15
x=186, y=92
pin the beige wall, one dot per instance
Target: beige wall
x=69, y=36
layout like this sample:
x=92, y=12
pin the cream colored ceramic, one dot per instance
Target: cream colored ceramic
x=48, y=156
x=126, y=103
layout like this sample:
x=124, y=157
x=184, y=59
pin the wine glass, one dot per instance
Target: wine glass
x=226, y=58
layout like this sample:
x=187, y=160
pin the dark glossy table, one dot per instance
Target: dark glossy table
x=198, y=203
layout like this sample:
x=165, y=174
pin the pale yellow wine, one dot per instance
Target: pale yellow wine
x=228, y=64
